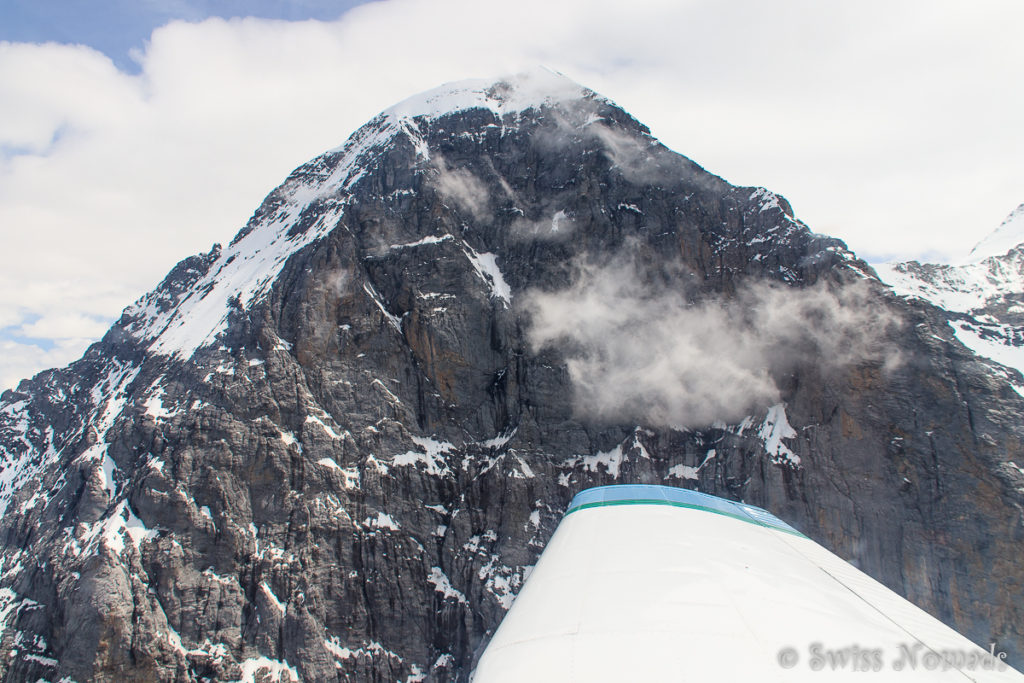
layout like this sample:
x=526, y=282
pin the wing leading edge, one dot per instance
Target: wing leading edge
x=654, y=583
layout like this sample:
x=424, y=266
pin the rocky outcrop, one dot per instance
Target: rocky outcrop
x=334, y=449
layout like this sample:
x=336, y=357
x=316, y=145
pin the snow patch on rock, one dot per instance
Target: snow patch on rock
x=265, y=670
x=992, y=341
x=444, y=586
x=429, y=455
x=773, y=430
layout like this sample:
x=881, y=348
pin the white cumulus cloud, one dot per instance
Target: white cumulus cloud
x=640, y=350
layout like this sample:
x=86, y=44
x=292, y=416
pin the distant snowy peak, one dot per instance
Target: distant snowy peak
x=506, y=95
x=993, y=272
x=1008, y=235
x=983, y=297
x=960, y=289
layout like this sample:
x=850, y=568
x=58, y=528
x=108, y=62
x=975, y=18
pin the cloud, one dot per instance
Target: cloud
x=634, y=157
x=891, y=126
x=637, y=158
x=16, y=356
x=640, y=350
x=559, y=226
x=10, y=315
x=65, y=326
x=462, y=187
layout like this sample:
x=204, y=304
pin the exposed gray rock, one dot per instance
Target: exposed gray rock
x=353, y=476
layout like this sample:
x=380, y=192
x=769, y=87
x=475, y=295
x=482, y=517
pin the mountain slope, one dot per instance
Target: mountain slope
x=983, y=298
x=334, y=448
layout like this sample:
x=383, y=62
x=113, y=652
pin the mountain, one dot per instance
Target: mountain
x=1007, y=236
x=982, y=298
x=334, y=448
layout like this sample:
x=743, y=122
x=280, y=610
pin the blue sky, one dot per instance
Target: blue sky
x=118, y=27
x=891, y=124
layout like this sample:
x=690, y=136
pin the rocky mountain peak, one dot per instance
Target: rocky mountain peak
x=334, y=448
x=436, y=138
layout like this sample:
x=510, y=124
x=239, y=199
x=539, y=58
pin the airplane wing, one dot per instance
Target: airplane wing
x=653, y=583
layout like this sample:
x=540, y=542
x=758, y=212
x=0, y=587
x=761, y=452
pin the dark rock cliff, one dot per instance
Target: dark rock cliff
x=335, y=448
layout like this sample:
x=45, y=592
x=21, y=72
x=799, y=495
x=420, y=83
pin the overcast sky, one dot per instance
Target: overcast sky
x=134, y=133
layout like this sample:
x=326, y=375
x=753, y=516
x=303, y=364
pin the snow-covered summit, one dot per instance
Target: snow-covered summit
x=1008, y=235
x=316, y=196
x=504, y=95
x=244, y=271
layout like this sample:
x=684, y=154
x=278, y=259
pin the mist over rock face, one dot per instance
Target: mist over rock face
x=334, y=449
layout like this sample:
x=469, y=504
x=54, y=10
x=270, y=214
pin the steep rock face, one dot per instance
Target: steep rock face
x=334, y=448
